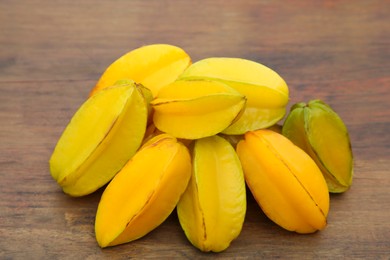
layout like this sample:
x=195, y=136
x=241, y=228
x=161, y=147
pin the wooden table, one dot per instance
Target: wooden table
x=53, y=52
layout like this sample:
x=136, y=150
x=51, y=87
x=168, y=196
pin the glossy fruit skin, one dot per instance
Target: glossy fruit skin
x=102, y=136
x=212, y=209
x=285, y=181
x=317, y=129
x=195, y=109
x=153, y=66
x=191, y=137
x=144, y=193
x=266, y=92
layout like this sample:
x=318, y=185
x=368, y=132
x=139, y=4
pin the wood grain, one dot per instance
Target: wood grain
x=53, y=52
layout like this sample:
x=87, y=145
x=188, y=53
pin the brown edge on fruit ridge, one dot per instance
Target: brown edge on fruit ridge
x=328, y=173
x=271, y=148
x=113, y=124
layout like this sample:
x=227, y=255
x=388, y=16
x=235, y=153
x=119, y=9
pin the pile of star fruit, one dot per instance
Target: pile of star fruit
x=167, y=134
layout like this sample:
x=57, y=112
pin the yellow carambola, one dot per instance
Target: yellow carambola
x=285, y=181
x=143, y=194
x=153, y=66
x=197, y=108
x=101, y=137
x=212, y=209
x=266, y=92
x=319, y=131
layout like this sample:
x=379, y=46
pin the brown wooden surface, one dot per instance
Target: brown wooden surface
x=53, y=52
